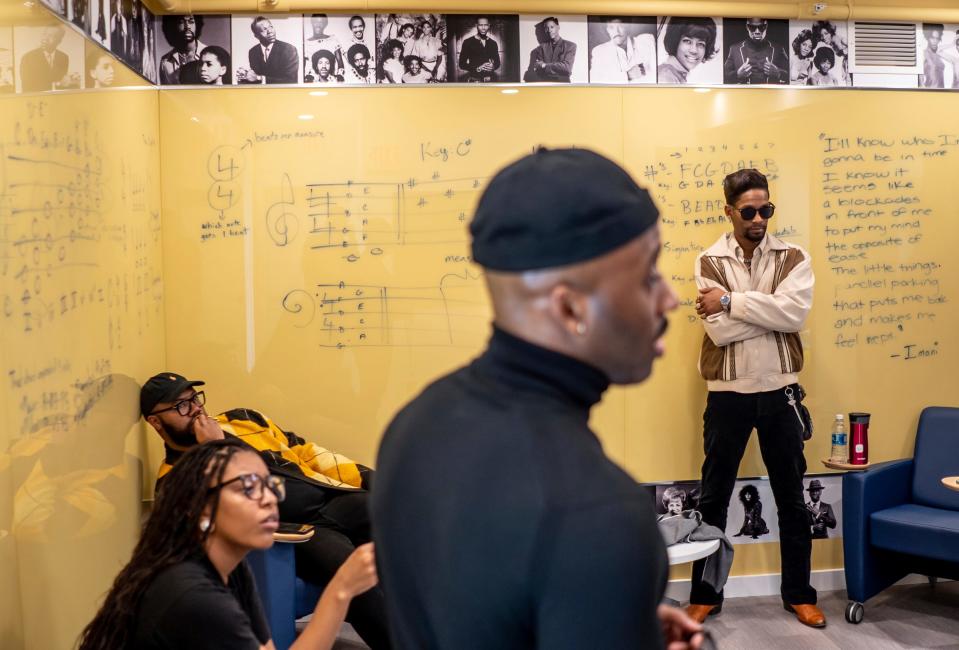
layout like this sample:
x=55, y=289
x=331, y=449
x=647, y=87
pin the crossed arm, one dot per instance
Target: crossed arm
x=754, y=313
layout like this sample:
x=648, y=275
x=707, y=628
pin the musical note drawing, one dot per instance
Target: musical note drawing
x=368, y=217
x=451, y=313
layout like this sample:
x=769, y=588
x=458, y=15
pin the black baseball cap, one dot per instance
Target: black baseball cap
x=558, y=207
x=163, y=387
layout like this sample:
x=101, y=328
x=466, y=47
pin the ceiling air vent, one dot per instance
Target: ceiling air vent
x=886, y=48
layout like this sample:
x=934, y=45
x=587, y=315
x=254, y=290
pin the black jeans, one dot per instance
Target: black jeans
x=727, y=424
x=342, y=524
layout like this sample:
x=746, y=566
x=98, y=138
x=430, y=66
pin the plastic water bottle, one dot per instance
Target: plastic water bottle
x=840, y=441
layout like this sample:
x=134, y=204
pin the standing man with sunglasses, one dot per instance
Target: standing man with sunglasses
x=322, y=488
x=755, y=292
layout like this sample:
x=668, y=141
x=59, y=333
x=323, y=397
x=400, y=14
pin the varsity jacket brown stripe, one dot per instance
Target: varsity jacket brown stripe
x=756, y=345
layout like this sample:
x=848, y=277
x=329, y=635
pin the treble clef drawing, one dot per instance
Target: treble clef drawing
x=281, y=221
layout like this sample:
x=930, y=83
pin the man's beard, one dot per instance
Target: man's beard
x=184, y=438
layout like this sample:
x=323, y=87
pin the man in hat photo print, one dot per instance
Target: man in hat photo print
x=821, y=515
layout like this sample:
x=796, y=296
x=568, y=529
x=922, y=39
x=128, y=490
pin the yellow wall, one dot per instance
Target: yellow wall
x=82, y=326
x=255, y=199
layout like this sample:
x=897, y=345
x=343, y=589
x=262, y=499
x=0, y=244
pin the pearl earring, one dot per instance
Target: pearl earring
x=205, y=524
x=580, y=328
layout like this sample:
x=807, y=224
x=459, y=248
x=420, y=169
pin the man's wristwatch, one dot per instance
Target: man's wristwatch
x=724, y=301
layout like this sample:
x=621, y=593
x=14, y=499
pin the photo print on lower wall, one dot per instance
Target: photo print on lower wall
x=751, y=516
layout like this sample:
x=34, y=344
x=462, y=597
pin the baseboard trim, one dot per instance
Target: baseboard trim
x=767, y=584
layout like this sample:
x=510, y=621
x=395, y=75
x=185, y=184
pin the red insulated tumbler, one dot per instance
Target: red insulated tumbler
x=859, y=438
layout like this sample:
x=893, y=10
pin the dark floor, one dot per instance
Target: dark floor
x=916, y=616
x=905, y=616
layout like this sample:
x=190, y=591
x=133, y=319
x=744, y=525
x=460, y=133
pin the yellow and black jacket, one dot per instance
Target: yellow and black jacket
x=285, y=453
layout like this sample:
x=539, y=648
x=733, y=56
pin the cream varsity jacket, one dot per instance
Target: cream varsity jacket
x=755, y=347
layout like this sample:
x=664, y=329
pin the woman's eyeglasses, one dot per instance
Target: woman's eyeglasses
x=254, y=484
x=749, y=212
x=184, y=405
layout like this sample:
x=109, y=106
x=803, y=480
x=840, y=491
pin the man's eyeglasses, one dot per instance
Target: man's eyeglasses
x=757, y=27
x=184, y=405
x=749, y=212
x=254, y=484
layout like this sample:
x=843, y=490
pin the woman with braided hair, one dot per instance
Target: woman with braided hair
x=187, y=585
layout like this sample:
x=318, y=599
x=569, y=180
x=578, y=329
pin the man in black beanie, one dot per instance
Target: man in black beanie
x=499, y=522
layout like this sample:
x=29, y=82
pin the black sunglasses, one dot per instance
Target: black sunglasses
x=254, y=484
x=749, y=212
x=756, y=27
x=184, y=405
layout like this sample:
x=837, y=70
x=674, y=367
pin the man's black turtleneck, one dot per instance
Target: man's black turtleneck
x=499, y=521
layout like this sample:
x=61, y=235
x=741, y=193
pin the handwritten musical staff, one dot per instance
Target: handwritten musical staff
x=449, y=313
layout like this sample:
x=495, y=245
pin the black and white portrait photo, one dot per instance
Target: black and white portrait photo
x=266, y=49
x=755, y=51
x=751, y=516
x=672, y=499
x=818, y=53
x=6, y=60
x=753, y=523
x=939, y=49
x=326, y=36
x=100, y=68
x=411, y=48
x=126, y=32
x=78, y=13
x=49, y=58
x=148, y=61
x=688, y=50
x=821, y=515
x=180, y=44
x=98, y=21
x=555, y=47
x=622, y=49
x=824, y=506
x=484, y=48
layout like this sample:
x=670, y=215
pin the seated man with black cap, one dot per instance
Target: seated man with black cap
x=323, y=488
x=527, y=535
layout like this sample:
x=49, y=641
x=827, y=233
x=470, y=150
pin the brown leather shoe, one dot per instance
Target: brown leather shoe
x=699, y=612
x=807, y=614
